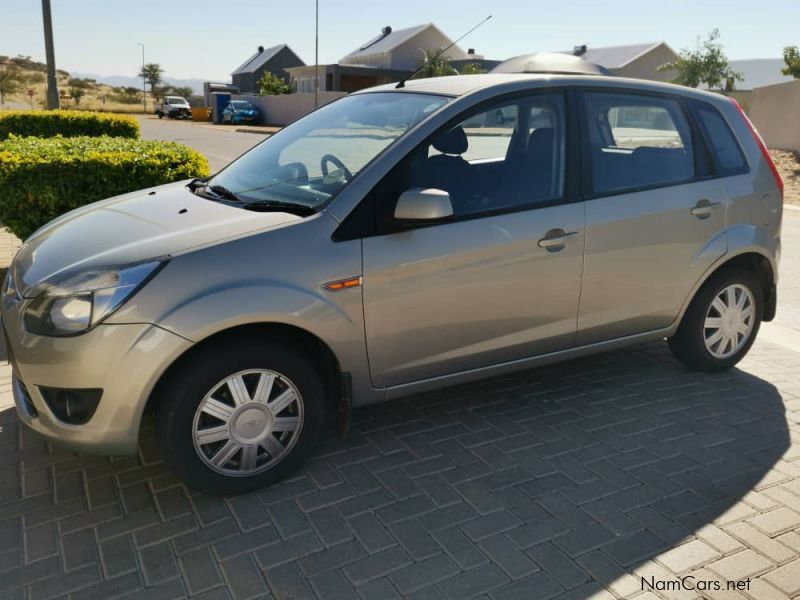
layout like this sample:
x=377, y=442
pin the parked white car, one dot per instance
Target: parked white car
x=174, y=107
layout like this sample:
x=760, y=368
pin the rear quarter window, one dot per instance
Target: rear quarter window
x=721, y=141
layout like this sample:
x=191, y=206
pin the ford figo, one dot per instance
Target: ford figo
x=393, y=242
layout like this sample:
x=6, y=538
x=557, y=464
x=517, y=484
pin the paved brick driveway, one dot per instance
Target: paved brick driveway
x=572, y=481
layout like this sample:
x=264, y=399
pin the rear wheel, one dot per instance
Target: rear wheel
x=721, y=323
x=232, y=422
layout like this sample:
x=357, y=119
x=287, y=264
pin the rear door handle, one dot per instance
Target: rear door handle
x=702, y=210
x=555, y=239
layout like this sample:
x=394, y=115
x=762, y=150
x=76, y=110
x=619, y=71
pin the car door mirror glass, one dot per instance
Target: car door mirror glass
x=423, y=204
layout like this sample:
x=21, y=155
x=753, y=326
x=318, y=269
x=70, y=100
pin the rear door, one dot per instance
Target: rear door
x=654, y=213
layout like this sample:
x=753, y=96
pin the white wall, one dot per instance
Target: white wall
x=282, y=110
x=775, y=111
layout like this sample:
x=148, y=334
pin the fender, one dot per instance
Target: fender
x=738, y=239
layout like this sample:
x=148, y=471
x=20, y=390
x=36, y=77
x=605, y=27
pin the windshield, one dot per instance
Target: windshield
x=176, y=101
x=241, y=105
x=314, y=158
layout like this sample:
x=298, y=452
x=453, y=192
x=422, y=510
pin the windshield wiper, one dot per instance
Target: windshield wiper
x=225, y=193
x=275, y=205
x=196, y=183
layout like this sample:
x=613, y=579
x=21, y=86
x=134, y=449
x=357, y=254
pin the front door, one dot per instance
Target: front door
x=498, y=282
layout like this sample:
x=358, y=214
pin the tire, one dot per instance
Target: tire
x=255, y=464
x=160, y=115
x=689, y=344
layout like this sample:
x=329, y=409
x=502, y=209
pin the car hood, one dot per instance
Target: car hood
x=146, y=224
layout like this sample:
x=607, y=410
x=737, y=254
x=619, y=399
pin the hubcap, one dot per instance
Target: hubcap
x=248, y=422
x=729, y=321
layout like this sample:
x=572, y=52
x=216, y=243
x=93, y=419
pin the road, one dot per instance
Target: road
x=220, y=144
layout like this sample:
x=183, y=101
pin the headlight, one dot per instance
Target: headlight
x=75, y=302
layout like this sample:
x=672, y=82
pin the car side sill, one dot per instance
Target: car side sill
x=433, y=383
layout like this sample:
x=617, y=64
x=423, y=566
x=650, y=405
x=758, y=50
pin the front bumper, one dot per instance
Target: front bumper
x=181, y=113
x=125, y=361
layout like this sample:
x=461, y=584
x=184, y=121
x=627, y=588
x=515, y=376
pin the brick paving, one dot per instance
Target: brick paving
x=579, y=480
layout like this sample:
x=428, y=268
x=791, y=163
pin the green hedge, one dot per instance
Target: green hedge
x=69, y=123
x=42, y=178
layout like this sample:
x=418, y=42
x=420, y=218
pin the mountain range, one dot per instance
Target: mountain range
x=123, y=80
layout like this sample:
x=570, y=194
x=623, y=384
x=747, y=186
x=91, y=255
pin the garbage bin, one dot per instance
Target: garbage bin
x=201, y=114
x=220, y=102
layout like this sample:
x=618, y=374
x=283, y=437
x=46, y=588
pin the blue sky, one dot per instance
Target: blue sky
x=208, y=39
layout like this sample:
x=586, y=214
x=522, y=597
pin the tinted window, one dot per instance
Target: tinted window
x=637, y=141
x=509, y=155
x=723, y=143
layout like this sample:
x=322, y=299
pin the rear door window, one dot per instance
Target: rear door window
x=720, y=138
x=637, y=141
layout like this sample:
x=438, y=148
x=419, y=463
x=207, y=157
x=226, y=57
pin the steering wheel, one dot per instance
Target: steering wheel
x=330, y=158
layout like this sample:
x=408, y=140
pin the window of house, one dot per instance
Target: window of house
x=638, y=141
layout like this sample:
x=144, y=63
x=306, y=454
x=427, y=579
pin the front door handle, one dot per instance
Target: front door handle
x=703, y=208
x=555, y=239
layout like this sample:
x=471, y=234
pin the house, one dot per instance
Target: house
x=389, y=56
x=276, y=60
x=634, y=60
x=759, y=72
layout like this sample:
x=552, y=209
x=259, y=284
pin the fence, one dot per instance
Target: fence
x=775, y=111
x=282, y=110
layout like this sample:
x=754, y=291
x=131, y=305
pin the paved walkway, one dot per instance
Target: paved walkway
x=598, y=478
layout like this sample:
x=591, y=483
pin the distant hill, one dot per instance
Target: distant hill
x=125, y=81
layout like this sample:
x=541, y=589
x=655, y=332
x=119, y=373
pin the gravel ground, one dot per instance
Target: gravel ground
x=789, y=165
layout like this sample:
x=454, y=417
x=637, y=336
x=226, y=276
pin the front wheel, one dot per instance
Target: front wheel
x=721, y=323
x=233, y=422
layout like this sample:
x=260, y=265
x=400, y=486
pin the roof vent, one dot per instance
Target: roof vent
x=471, y=51
x=260, y=49
x=579, y=50
x=386, y=31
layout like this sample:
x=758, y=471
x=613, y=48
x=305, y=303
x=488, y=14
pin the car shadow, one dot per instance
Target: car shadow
x=562, y=478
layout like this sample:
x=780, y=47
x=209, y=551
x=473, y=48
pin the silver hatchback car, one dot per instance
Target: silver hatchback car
x=393, y=242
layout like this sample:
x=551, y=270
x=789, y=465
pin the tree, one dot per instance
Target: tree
x=791, y=56
x=182, y=91
x=10, y=82
x=152, y=73
x=472, y=69
x=435, y=64
x=272, y=85
x=705, y=63
x=159, y=91
x=77, y=92
x=128, y=95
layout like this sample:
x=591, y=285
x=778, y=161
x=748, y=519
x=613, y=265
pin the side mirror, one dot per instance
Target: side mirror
x=423, y=204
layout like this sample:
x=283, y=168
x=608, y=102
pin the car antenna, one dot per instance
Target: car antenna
x=402, y=82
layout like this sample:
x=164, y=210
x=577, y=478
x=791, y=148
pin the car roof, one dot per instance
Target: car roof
x=461, y=85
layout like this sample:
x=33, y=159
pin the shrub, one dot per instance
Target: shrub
x=41, y=179
x=69, y=123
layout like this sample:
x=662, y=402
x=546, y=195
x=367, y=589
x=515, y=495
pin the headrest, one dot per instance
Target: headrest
x=452, y=142
x=542, y=137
